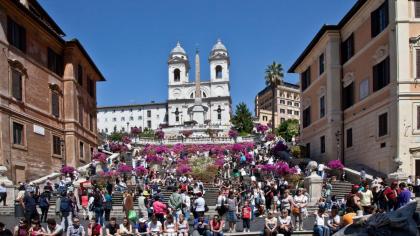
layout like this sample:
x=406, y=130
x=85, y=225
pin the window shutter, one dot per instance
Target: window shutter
x=417, y=8
x=16, y=85
x=373, y=23
x=22, y=39
x=418, y=117
x=375, y=78
x=417, y=75
x=9, y=30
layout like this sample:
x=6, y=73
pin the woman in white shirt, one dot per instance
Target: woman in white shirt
x=199, y=205
x=170, y=227
x=299, y=208
x=285, y=223
x=125, y=228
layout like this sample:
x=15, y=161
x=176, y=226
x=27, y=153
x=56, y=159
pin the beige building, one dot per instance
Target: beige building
x=47, y=94
x=287, y=106
x=371, y=115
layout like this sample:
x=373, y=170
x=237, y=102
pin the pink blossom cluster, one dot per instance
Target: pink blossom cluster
x=140, y=170
x=135, y=130
x=335, y=165
x=100, y=157
x=261, y=128
x=280, y=168
x=270, y=137
x=159, y=134
x=187, y=133
x=67, y=170
x=183, y=169
x=233, y=133
x=108, y=173
x=154, y=159
x=126, y=139
x=122, y=168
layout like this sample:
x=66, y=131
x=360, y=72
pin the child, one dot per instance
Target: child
x=246, y=216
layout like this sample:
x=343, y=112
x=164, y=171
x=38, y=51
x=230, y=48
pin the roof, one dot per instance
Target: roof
x=86, y=55
x=285, y=84
x=323, y=30
x=132, y=105
x=46, y=18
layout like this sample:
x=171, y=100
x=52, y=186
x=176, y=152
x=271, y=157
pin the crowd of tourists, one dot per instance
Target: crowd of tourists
x=246, y=193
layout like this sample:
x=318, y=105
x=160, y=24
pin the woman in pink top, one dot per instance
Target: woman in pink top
x=159, y=209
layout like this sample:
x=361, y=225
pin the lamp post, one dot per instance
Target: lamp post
x=338, y=138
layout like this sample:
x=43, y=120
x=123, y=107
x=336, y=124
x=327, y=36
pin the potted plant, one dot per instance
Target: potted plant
x=336, y=167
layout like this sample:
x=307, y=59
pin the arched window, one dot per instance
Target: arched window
x=204, y=95
x=177, y=75
x=219, y=113
x=219, y=71
x=192, y=95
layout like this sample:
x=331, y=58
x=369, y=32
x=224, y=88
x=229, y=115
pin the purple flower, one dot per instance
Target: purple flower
x=219, y=161
x=159, y=134
x=154, y=159
x=135, y=130
x=162, y=149
x=67, y=170
x=233, y=133
x=124, y=168
x=335, y=165
x=187, y=133
x=140, y=170
x=261, y=128
x=126, y=140
x=270, y=137
x=100, y=157
x=183, y=169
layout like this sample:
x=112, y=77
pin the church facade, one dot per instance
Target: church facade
x=191, y=103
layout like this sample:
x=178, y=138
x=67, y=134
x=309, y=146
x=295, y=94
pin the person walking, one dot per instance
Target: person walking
x=3, y=194
x=175, y=203
x=65, y=211
x=366, y=199
x=246, y=217
x=199, y=205
x=108, y=205
x=44, y=204
x=128, y=203
x=299, y=208
x=142, y=202
x=28, y=204
x=231, y=214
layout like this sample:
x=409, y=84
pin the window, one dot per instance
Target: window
x=418, y=59
x=322, y=142
x=149, y=114
x=289, y=103
x=321, y=64
x=349, y=138
x=81, y=150
x=363, y=89
x=418, y=117
x=347, y=49
x=91, y=122
x=381, y=75
x=379, y=19
x=383, y=125
x=306, y=116
x=296, y=104
x=16, y=35
x=149, y=124
x=80, y=113
x=308, y=150
x=18, y=134
x=322, y=106
x=122, y=118
x=416, y=8
x=177, y=75
x=219, y=71
x=281, y=101
x=131, y=118
x=306, y=79
x=55, y=104
x=282, y=111
x=55, y=62
x=106, y=130
x=289, y=112
x=177, y=115
x=296, y=113
x=265, y=118
x=80, y=74
x=114, y=119
x=139, y=118
x=56, y=145
x=219, y=113
x=282, y=120
x=17, y=85
x=106, y=119
x=122, y=129
x=91, y=87
x=348, y=96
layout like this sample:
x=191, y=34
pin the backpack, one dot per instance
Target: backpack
x=43, y=202
x=65, y=205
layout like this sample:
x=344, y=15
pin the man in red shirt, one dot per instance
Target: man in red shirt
x=391, y=196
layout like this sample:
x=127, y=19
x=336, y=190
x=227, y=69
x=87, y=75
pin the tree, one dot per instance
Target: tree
x=242, y=120
x=117, y=136
x=273, y=78
x=288, y=129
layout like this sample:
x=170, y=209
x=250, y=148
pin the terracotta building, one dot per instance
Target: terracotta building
x=287, y=104
x=360, y=88
x=47, y=94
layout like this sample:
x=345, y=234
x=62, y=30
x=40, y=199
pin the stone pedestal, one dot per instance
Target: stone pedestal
x=9, y=186
x=313, y=184
x=198, y=114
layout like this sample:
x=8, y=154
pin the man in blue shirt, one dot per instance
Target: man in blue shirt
x=404, y=196
x=201, y=227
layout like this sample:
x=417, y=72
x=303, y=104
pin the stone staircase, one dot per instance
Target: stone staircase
x=340, y=189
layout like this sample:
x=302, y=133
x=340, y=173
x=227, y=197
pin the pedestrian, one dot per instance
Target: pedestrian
x=94, y=229
x=246, y=217
x=44, y=205
x=216, y=226
x=6, y=232
x=98, y=206
x=183, y=226
x=159, y=209
x=65, y=211
x=3, y=194
x=199, y=205
x=270, y=225
x=366, y=198
x=112, y=227
x=128, y=203
x=300, y=202
x=170, y=227
x=391, y=196
x=22, y=229
x=142, y=202
x=186, y=204
x=154, y=228
x=175, y=202
x=108, y=205
x=286, y=201
x=76, y=229
x=53, y=229
x=125, y=228
x=405, y=195
x=231, y=214
x=285, y=223
x=320, y=229
x=28, y=203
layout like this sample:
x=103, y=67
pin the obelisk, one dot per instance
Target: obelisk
x=198, y=109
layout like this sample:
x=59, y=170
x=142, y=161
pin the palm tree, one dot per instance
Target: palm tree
x=273, y=78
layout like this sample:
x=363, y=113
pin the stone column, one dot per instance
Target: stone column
x=313, y=184
x=9, y=186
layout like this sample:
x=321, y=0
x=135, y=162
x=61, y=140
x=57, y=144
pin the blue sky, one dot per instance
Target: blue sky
x=130, y=40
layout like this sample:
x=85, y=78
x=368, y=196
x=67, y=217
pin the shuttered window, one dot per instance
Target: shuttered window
x=379, y=19
x=322, y=106
x=347, y=49
x=16, y=34
x=16, y=85
x=349, y=138
x=348, y=96
x=417, y=8
x=322, y=142
x=80, y=113
x=381, y=75
x=80, y=74
x=55, y=104
x=417, y=63
x=18, y=133
x=306, y=116
x=306, y=78
x=55, y=62
x=56, y=142
x=418, y=117
x=91, y=86
x=383, y=125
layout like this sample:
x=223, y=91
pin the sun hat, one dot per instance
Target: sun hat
x=145, y=193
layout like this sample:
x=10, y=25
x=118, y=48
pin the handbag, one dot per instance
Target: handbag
x=295, y=210
x=132, y=215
